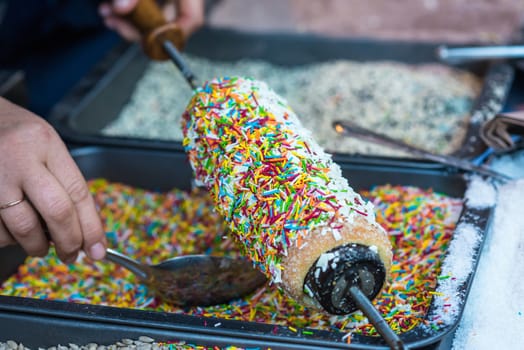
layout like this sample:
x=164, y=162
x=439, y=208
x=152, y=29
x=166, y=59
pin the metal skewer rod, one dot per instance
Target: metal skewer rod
x=178, y=60
x=367, y=308
x=350, y=129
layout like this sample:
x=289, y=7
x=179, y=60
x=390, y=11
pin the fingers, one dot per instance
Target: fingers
x=81, y=203
x=190, y=15
x=5, y=237
x=57, y=210
x=112, y=14
x=123, y=28
x=21, y=224
x=187, y=14
x=36, y=165
x=123, y=7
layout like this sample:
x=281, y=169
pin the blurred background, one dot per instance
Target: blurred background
x=429, y=20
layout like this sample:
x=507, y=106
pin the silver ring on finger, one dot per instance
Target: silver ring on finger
x=12, y=203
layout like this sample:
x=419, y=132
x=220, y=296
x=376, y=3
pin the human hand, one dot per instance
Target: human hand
x=187, y=14
x=40, y=181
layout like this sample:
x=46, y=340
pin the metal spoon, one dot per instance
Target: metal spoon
x=192, y=280
x=350, y=129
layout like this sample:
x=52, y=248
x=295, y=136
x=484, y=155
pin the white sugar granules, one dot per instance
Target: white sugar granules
x=494, y=313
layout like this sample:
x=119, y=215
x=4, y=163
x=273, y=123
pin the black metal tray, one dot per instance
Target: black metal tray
x=41, y=323
x=100, y=97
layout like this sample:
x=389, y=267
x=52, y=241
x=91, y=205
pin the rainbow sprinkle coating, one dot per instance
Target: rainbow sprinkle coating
x=270, y=180
x=154, y=226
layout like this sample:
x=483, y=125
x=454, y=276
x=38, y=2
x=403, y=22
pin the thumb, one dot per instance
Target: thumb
x=123, y=7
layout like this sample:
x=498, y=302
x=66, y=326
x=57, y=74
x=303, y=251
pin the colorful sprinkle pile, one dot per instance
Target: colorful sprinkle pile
x=182, y=345
x=152, y=226
x=271, y=181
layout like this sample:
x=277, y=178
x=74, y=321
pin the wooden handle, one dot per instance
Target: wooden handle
x=149, y=19
x=147, y=16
